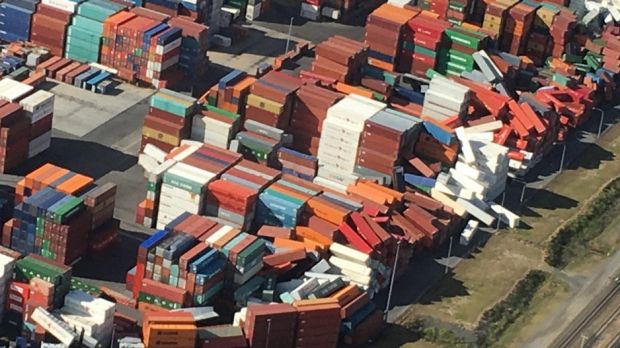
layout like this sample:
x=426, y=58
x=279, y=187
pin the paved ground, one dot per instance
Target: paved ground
x=78, y=111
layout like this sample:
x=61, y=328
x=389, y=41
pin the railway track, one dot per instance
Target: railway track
x=574, y=334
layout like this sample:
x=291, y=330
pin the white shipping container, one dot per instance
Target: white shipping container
x=12, y=91
x=38, y=105
x=253, y=11
x=347, y=253
x=54, y=326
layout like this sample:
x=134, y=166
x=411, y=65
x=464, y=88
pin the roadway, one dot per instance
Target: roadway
x=598, y=324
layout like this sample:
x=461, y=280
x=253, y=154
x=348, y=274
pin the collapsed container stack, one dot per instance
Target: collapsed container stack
x=84, y=35
x=92, y=316
x=16, y=17
x=39, y=110
x=386, y=32
x=168, y=120
x=49, y=27
x=340, y=58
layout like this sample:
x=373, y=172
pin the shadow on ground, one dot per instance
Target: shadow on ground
x=84, y=157
x=112, y=264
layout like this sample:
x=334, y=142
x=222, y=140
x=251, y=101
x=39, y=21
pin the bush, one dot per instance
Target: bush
x=497, y=319
x=578, y=232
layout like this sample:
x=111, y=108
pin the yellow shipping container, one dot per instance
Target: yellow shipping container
x=265, y=104
x=166, y=138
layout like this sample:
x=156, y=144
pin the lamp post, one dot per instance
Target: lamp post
x=600, y=124
x=449, y=254
x=393, y=276
x=288, y=38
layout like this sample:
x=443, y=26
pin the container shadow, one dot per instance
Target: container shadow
x=84, y=157
x=112, y=264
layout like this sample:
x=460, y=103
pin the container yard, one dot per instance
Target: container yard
x=157, y=203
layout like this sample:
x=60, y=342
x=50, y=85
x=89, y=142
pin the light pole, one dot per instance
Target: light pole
x=498, y=220
x=393, y=276
x=288, y=38
x=600, y=124
x=449, y=253
x=563, y=154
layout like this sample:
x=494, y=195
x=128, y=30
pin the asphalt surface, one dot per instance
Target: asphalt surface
x=592, y=321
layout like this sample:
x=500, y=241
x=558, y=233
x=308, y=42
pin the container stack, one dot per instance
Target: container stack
x=39, y=109
x=386, y=31
x=49, y=175
x=49, y=27
x=495, y=18
x=459, y=11
x=361, y=320
x=517, y=28
x=318, y=323
x=341, y=59
x=215, y=126
x=440, y=105
x=272, y=99
x=281, y=320
x=185, y=183
x=439, y=8
x=7, y=265
x=244, y=253
x=193, y=60
x=52, y=224
x=33, y=266
x=456, y=57
x=427, y=38
x=387, y=140
x=308, y=116
x=86, y=30
x=94, y=316
x=340, y=139
x=282, y=203
x=16, y=18
x=562, y=31
x=168, y=120
x=174, y=330
x=231, y=92
x=100, y=202
x=151, y=57
x=298, y=164
x=233, y=198
x=15, y=129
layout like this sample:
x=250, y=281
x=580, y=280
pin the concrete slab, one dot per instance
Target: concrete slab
x=78, y=112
